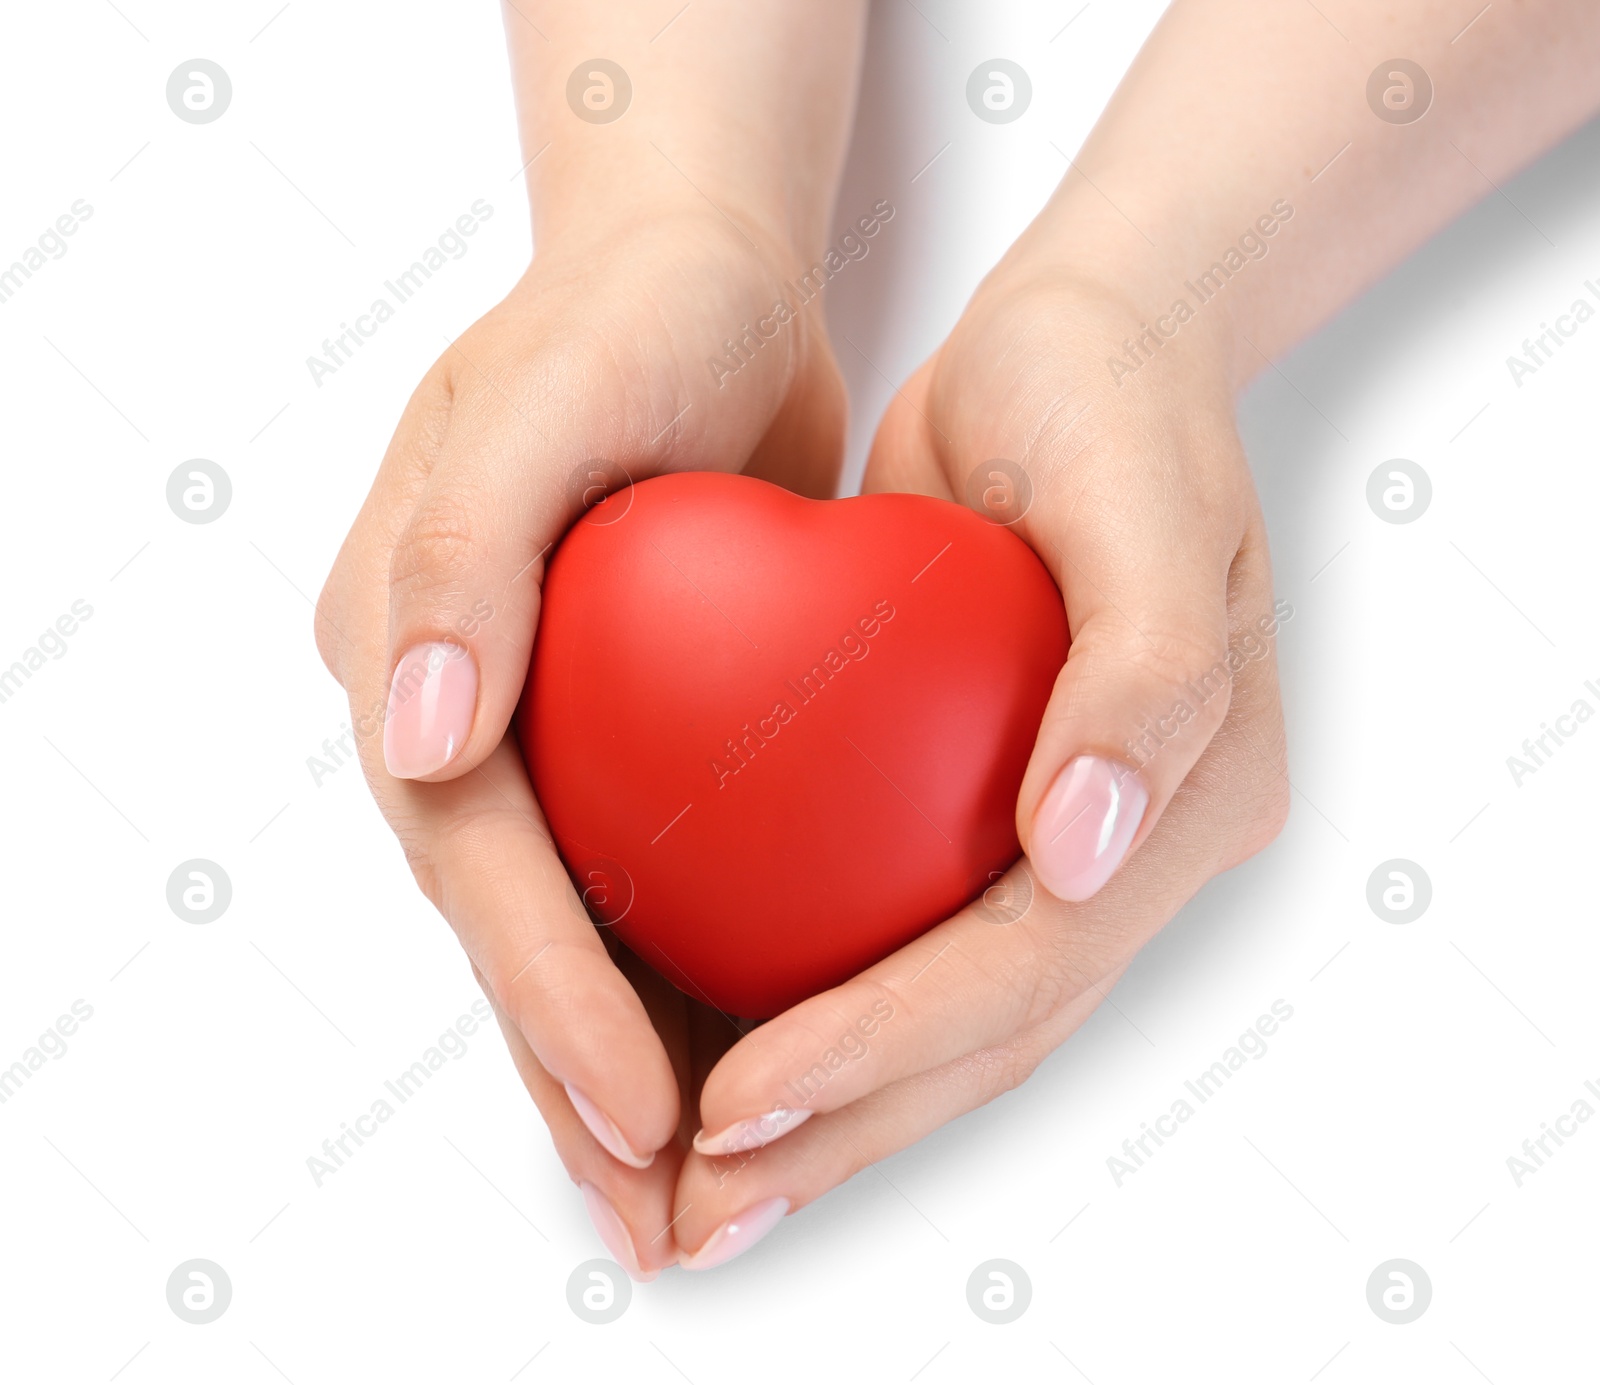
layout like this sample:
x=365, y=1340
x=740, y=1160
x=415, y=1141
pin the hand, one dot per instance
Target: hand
x=598, y=353
x=1143, y=510
x=666, y=232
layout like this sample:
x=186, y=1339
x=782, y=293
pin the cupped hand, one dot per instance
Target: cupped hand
x=1159, y=763
x=595, y=370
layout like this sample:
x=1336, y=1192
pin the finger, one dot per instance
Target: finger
x=362, y=561
x=725, y=1205
x=1141, y=545
x=631, y=1208
x=996, y=969
x=465, y=570
x=481, y=851
x=1156, y=650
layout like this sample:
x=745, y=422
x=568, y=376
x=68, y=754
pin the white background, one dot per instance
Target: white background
x=178, y=1123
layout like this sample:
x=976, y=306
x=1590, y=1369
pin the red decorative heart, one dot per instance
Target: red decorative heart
x=776, y=738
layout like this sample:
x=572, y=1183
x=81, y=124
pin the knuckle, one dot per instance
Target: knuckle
x=1187, y=664
x=1003, y=1068
x=1272, y=816
x=1047, y=986
x=440, y=544
x=1255, y=783
x=442, y=847
x=885, y=998
x=331, y=603
x=330, y=644
x=471, y=846
x=1076, y=954
x=816, y=1038
x=1263, y=818
x=422, y=860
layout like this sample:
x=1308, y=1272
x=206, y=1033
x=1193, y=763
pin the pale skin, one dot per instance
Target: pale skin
x=657, y=236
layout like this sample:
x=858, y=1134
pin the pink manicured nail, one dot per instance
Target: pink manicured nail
x=737, y=1235
x=1084, y=826
x=751, y=1134
x=604, y=1129
x=614, y=1232
x=432, y=697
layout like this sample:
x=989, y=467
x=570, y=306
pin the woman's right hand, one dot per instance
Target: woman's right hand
x=1138, y=500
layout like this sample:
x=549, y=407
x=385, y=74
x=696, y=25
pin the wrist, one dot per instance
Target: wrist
x=1140, y=316
x=742, y=114
x=639, y=196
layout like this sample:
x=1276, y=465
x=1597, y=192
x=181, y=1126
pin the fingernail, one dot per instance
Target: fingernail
x=432, y=697
x=737, y=1235
x=614, y=1232
x=604, y=1129
x=751, y=1134
x=1085, y=824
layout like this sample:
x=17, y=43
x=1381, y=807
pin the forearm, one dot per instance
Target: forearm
x=744, y=108
x=1236, y=107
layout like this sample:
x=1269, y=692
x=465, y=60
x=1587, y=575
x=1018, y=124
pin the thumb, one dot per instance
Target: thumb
x=465, y=577
x=1147, y=680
